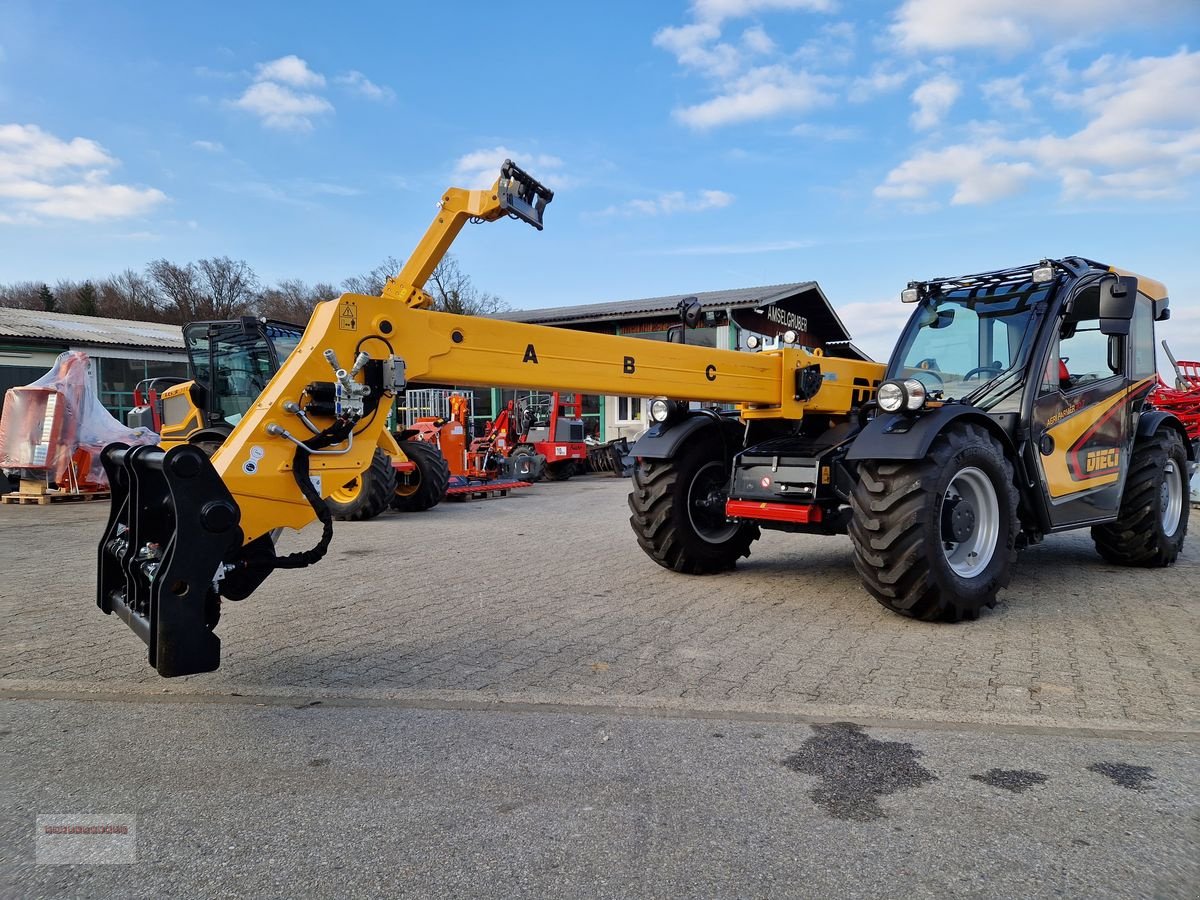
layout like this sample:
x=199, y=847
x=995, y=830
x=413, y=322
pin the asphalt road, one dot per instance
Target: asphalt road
x=237, y=799
x=507, y=698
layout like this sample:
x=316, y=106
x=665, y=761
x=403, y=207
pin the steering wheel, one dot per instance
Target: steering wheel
x=979, y=370
x=938, y=378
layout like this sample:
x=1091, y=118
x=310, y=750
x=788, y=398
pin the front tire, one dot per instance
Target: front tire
x=678, y=508
x=1153, y=519
x=935, y=539
x=424, y=487
x=367, y=494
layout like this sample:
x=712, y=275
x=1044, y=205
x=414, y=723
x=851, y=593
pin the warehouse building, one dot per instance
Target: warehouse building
x=123, y=353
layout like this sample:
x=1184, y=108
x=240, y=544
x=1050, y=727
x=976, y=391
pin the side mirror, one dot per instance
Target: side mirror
x=1118, y=296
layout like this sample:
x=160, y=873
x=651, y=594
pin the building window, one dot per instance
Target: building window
x=629, y=410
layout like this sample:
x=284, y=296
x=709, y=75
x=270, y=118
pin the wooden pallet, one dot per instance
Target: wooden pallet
x=18, y=497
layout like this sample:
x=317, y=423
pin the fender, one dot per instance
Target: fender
x=886, y=436
x=664, y=439
x=1152, y=420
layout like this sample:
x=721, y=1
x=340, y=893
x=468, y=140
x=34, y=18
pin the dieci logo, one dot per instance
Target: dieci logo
x=1101, y=461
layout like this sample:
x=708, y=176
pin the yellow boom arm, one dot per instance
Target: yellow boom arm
x=185, y=531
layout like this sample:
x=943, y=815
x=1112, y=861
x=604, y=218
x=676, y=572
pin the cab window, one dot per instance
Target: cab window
x=1141, y=335
x=1083, y=355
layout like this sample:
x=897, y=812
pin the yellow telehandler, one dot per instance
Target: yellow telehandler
x=1014, y=405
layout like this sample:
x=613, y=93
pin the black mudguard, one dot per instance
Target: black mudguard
x=663, y=440
x=902, y=436
x=1152, y=420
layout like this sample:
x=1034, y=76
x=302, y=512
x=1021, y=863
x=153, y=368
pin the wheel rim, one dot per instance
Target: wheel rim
x=706, y=504
x=406, y=487
x=1171, y=494
x=348, y=492
x=970, y=522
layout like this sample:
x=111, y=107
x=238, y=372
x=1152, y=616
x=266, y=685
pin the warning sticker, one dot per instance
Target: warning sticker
x=348, y=316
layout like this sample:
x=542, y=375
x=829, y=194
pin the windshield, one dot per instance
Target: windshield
x=284, y=341
x=956, y=343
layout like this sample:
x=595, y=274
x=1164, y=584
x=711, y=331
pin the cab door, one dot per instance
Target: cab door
x=1081, y=425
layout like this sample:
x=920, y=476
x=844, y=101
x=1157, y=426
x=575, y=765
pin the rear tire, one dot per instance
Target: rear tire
x=367, y=495
x=1153, y=519
x=425, y=487
x=935, y=539
x=678, y=507
x=560, y=471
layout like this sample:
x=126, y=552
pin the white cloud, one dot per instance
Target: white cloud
x=279, y=98
x=209, y=146
x=479, y=169
x=1008, y=92
x=360, y=83
x=976, y=175
x=292, y=70
x=717, y=11
x=743, y=87
x=1007, y=25
x=933, y=100
x=278, y=106
x=1141, y=140
x=692, y=47
x=761, y=93
x=757, y=41
x=672, y=202
x=882, y=79
x=42, y=176
x=821, y=132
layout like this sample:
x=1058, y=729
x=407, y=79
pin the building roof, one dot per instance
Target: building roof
x=59, y=328
x=825, y=318
x=623, y=309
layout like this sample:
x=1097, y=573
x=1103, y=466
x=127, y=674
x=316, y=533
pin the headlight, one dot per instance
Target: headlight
x=915, y=391
x=891, y=396
x=660, y=408
x=790, y=337
x=752, y=341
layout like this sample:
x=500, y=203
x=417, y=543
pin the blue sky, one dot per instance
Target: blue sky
x=693, y=146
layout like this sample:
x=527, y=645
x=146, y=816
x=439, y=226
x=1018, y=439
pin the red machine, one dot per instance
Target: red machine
x=1184, y=399
x=555, y=431
x=532, y=437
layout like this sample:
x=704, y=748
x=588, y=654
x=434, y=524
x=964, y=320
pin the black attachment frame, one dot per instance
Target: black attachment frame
x=172, y=523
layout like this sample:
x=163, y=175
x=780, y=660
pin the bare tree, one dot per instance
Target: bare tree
x=130, y=295
x=230, y=286
x=27, y=295
x=453, y=291
x=216, y=288
x=179, y=286
x=372, y=283
x=292, y=300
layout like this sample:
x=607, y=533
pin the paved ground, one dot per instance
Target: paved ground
x=240, y=800
x=545, y=596
x=507, y=696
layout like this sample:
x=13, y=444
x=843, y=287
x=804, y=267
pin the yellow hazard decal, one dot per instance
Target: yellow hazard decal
x=348, y=316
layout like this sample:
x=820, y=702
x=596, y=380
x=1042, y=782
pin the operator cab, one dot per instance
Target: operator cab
x=232, y=361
